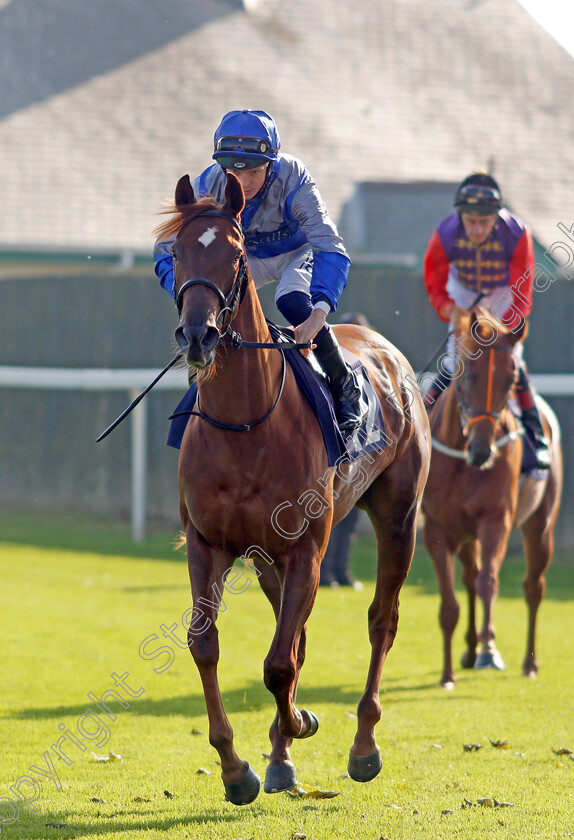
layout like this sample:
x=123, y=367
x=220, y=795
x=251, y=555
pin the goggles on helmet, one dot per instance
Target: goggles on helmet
x=478, y=201
x=251, y=145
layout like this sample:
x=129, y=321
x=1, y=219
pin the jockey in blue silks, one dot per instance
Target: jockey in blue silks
x=289, y=238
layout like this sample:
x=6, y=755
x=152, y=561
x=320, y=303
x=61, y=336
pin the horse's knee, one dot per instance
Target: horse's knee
x=448, y=616
x=204, y=647
x=278, y=675
x=486, y=585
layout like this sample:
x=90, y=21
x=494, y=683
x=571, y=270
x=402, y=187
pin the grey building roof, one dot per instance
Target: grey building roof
x=105, y=104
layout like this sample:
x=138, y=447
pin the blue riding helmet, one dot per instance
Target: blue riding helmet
x=479, y=195
x=246, y=139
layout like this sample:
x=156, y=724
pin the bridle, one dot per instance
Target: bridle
x=229, y=304
x=469, y=416
x=475, y=415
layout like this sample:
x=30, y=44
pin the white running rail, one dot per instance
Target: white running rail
x=134, y=380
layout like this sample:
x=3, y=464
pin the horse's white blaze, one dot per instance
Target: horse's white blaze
x=207, y=236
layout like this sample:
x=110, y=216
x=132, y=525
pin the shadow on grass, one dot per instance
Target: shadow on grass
x=250, y=696
x=126, y=820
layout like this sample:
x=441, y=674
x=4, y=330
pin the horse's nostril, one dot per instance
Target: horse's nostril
x=210, y=339
x=181, y=339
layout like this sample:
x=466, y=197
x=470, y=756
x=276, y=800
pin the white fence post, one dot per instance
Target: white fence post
x=139, y=468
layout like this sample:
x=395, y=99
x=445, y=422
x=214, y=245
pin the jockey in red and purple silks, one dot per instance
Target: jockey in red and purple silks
x=482, y=247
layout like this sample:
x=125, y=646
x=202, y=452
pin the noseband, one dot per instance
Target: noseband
x=228, y=303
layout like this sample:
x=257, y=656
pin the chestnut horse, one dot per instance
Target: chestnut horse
x=255, y=483
x=475, y=495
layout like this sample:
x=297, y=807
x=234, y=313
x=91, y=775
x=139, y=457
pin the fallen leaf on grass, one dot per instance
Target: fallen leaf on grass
x=487, y=802
x=203, y=771
x=310, y=808
x=266, y=755
x=55, y=825
x=562, y=751
x=109, y=757
x=168, y=795
x=447, y=812
x=141, y=799
x=298, y=835
x=500, y=745
x=472, y=747
x=196, y=732
x=95, y=799
x=309, y=792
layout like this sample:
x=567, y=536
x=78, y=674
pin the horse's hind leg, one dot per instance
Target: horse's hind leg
x=469, y=555
x=207, y=572
x=393, y=512
x=444, y=562
x=538, y=548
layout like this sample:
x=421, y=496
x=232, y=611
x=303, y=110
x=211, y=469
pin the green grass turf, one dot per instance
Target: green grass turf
x=78, y=599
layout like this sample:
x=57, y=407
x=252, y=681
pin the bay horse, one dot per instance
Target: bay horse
x=255, y=483
x=475, y=495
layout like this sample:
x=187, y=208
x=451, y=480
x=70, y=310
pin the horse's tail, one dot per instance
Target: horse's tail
x=179, y=542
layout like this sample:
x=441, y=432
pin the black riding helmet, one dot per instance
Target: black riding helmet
x=479, y=195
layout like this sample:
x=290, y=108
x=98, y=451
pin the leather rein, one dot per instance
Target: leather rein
x=229, y=304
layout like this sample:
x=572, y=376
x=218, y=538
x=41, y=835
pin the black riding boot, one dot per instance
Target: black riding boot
x=535, y=433
x=346, y=394
x=531, y=420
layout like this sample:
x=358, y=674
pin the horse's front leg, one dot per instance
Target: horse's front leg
x=493, y=534
x=443, y=561
x=281, y=773
x=207, y=571
x=469, y=555
x=285, y=659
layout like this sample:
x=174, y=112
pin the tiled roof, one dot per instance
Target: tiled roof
x=105, y=104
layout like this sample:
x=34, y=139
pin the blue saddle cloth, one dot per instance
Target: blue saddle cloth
x=369, y=437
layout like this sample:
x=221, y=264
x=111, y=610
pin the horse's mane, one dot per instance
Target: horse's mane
x=183, y=214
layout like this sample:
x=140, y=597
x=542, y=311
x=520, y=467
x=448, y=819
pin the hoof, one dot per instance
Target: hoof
x=489, y=659
x=280, y=777
x=245, y=791
x=313, y=723
x=448, y=685
x=364, y=768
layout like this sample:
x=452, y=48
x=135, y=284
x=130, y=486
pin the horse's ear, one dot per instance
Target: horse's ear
x=234, y=198
x=184, y=192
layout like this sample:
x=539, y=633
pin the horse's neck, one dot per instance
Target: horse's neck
x=245, y=382
x=446, y=424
